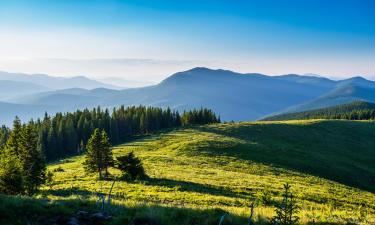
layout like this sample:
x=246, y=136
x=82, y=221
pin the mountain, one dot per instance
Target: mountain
x=11, y=89
x=235, y=96
x=345, y=91
x=55, y=82
x=357, y=110
x=24, y=112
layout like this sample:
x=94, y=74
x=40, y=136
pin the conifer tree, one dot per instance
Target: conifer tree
x=106, y=152
x=99, y=154
x=287, y=210
x=14, y=136
x=11, y=177
x=31, y=159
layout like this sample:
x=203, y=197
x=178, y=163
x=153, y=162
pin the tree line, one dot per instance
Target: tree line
x=67, y=134
x=351, y=111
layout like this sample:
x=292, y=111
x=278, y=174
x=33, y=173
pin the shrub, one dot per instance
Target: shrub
x=131, y=167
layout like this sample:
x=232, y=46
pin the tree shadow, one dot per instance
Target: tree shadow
x=186, y=186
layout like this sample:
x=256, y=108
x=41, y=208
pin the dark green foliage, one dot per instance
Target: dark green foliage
x=31, y=158
x=67, y=134
x=99, y=154
x=352, y=111
x=22, y=162
x=201, y=116
x=286, y=211
x=265, y=197
x=4, y=136
x=11, y=177
x=131, y=167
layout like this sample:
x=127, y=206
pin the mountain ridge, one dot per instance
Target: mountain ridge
x=235, y=96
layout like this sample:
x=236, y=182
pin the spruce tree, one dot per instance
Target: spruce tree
x=14, y=137
x=98, y=154
x=31, y=159
x=287, y=210
x=106, y=152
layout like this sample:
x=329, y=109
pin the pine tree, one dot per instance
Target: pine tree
x=31, y=159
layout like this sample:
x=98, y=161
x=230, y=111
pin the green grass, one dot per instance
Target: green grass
x=198, y=173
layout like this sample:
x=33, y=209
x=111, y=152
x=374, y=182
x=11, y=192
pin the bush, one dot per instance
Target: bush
x=131, y=167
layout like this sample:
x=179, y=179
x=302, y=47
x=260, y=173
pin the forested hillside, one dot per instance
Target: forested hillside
x=358, y=110
x=66, y=134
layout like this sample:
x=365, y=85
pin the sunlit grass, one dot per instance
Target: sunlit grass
x=210, y=167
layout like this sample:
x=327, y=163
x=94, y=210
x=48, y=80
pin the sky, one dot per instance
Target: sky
x=145, y=41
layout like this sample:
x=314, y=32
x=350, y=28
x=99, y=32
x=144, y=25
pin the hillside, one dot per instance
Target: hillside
x=345, y=91
x=357, y=110
x=198, y=173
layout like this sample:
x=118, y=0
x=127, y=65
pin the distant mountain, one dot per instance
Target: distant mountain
x=234, y=96
x=345, y=91
x=125, y=83
x=55, y=82
x=8, y=111
x=10, y=89
x=357, y=110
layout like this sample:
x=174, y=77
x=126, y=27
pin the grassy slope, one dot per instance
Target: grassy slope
x=226, y=166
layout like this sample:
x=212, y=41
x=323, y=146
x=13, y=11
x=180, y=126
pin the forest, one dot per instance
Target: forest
x=357, y=110
x=66, y=134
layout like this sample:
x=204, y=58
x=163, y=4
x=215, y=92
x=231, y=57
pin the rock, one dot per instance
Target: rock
x=100, y=216
x=82, y=214
x=73, y=221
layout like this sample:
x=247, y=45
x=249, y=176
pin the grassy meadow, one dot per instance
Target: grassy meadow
x=199, y=173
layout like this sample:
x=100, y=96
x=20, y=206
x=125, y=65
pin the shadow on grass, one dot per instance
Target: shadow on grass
x=187, y=186
x=24, y=210
x=341, y=151
x=67, y=192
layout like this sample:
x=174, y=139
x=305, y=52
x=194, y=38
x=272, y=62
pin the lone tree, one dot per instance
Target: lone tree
x=287, y=210
x=131, y=167
x=99, y=154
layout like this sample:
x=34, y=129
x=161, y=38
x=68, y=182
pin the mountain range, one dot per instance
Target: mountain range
x=234, y=96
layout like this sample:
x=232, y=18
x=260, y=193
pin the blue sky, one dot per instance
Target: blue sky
x=148, y=40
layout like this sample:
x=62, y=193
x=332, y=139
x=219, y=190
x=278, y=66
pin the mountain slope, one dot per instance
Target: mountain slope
x=227, y=166
x=8, y=111
x=55, y=82
x=356, y=111
x=345, y=91
x=11, y=89
x=234, y=96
